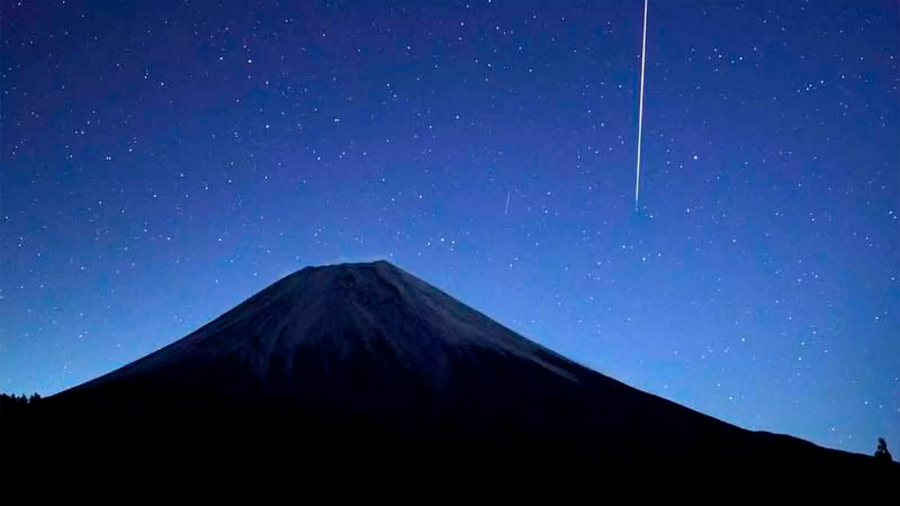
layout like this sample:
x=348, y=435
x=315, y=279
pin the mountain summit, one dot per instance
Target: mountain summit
x=364, y=374
x=340, y=329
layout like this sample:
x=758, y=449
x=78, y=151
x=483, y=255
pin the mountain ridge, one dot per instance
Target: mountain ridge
x=344, y=278
x=353, y=364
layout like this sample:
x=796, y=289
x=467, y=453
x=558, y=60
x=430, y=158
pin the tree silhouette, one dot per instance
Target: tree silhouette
x=882, y=452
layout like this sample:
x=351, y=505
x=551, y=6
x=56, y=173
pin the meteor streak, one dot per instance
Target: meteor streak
x=637, y=181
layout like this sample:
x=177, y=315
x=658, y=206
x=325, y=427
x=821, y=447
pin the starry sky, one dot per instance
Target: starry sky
x=162, y=161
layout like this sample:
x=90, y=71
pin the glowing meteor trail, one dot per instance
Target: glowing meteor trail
x=637, y=181
x=506, y=209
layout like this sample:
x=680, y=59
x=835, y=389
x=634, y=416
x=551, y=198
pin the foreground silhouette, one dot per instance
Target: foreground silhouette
x=361, y=382
x=882, y=452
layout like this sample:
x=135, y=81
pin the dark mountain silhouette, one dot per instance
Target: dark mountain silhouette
x=361, y=382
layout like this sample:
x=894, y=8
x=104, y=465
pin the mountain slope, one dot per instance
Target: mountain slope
x=374, y=340
x=366, y=373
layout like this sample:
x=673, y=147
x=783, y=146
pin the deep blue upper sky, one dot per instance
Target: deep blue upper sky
x=163, y=161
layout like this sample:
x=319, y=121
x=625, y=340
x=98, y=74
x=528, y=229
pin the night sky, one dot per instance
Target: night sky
x=163, y=161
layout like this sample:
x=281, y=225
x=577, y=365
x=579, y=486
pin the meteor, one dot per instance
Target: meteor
x=637, y=181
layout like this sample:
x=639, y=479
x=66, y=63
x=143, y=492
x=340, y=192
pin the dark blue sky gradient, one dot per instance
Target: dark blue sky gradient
x=163, y=161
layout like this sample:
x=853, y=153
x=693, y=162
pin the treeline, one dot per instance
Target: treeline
x=16, y=413
x=14, y=401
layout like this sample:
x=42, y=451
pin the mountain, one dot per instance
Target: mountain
x=363, y=382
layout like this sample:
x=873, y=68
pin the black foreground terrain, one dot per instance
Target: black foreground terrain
x=362, y=383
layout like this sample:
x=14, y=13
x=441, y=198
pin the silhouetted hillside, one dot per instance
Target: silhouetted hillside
x=360, y=383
